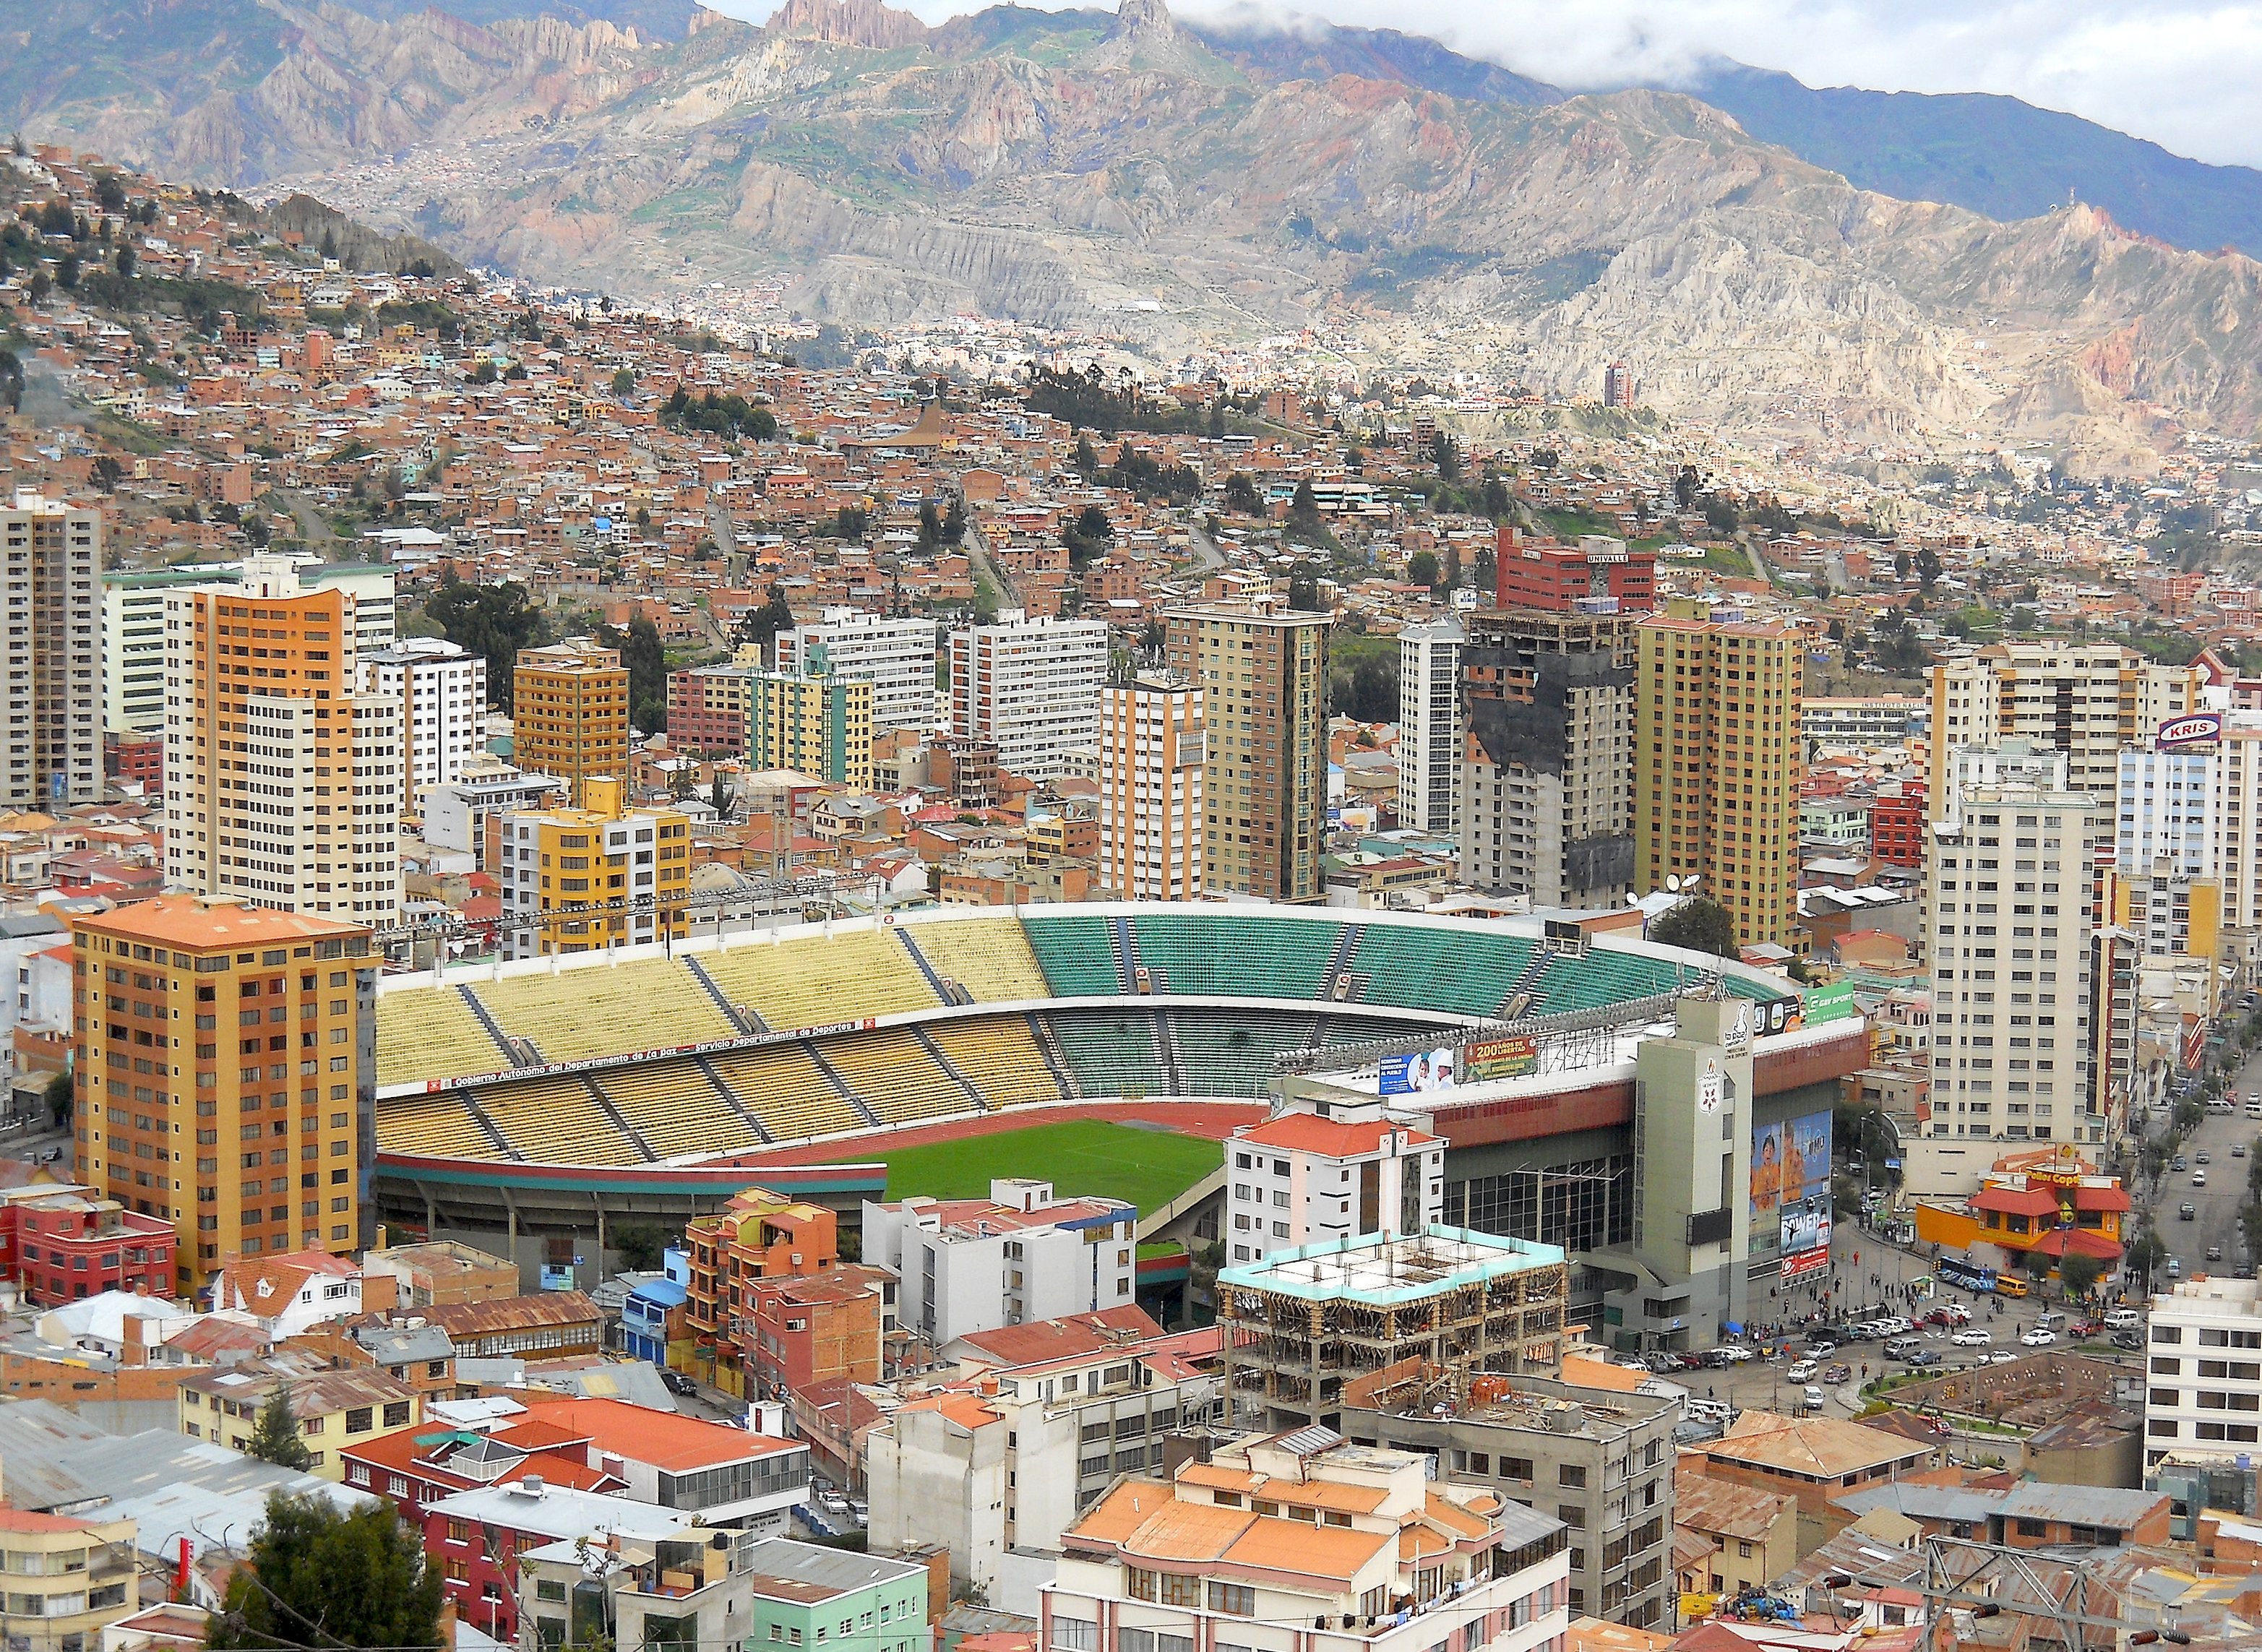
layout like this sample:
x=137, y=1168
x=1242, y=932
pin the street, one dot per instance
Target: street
x=2215, y=1206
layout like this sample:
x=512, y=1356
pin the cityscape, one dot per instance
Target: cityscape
x=1158, y=976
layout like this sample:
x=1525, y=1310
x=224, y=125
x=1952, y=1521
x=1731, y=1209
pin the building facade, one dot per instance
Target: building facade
x=580, y=880
x=1031, y=687
x=442, y=691
x=1300, y=1177
x=1547, y=713
x=162, y=984
x=64, y=1579
x=283, y=779
x=706, y=710
x=53, y=652
x=896, y=656
x=817, y=724
x=1430, y=727
x=1264, y=675
x=1597, y=575
x=570, y=713
x=1153, y=753
x=1718, y=764
x=2204, y=1389
x=972, y=1264
x=2089, y=700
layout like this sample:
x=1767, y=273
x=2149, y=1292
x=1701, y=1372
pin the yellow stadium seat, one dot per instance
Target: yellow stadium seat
x=599, y=1009
x=1000, y=1056
x=676, y=1109
x=811, y=981
x=557, y=1121
x=427, y=1032
x=898, y=1080
x=781, y=1086
x=440, y=1125
x=989, y=956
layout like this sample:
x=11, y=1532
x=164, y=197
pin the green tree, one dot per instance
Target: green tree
x=624, y=382
x=1422, y=568
x=647, y=664
x=762, y=624
x=322, y=1579
x=1241, y=496
x=954, y=522
x=640, y=1245
x=124, y=262
x=2078, y=1274
x=276, y=1439
x=718, y=793
x=495, y=621
x=1087, y=461
x=1700, y=924
x=1927, y=567
x=67, y=271
x=930, y=524
x=1304, y=589
x=59, y=1099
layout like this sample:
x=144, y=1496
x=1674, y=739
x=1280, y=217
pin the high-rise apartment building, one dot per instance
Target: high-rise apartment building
x=1152, y=753
x=53, y=652
x=2203, y=1393
x=570, y=712
x=1600, y=575
x=442, y=691
x=374, y=604
x=226, y=1074
x=1547, y=713
x=1430, y=727
x=2235, y=818
x=1718, y=762
x=819, y=725
x=896, y=656
x=2007, y=920
x=134, y=645
x=706, y=710
x=1263, y=672
x=2089, y=700
x=2166, y=810
x=580, y=880
x=281, y=780
x=1033, y=687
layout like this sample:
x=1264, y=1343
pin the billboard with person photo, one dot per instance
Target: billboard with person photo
x=1424, y=1069
x=1790, y=1186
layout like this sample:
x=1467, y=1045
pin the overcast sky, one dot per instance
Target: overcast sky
x=2182, y=73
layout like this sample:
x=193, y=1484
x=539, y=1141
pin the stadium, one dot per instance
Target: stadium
x=556, y=1096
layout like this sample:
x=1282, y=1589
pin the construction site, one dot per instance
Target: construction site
x=1302, y=1323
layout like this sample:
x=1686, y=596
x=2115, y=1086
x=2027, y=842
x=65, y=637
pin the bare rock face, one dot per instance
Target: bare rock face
x=1076, y=167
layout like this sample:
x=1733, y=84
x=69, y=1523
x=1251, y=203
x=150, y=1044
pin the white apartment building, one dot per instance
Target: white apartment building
x=1153, y=752
x=1303, y=1542
x=282, y=781
x=2235, y=818
x=2165, y=808
x=970, y=1265
x=1300, y=1177
x=1430, y=727
x=53, y=652
x=1862, y=722
x=2204, y=1391
x=134, y=645
x=456, y=812
x=1033, y=687
x=2007, y=921
x=998, y=1465
x=896, y=656
x=371, y=588
x=442, y=692
x=2087, y=700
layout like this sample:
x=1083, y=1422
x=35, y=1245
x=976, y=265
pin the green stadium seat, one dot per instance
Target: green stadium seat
x=1467, y=971
x=1230, y=1052
x=1204, y=955
x=1110, y=1052
x=1077, y=955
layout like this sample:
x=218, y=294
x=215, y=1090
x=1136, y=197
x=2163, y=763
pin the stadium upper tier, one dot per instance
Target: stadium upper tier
x=1092, y=1001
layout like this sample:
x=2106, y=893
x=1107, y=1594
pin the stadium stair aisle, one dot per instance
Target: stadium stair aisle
x=1198, y=956
x=1436, y=969
x=974, y=1098
x=811, y=981
x=1078, y=957
x=745, y=1021
x=898, y=1080
x=595, y=1010
x=557, y=1121
x=425, y=1033
x=739, y=1110
x=677, y=1108
x=999, y=1054
x=781, y=1086
x=441, y=1125
x=989, y=957
x=1110, y=1051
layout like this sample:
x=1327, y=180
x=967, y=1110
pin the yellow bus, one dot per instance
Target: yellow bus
x=2010, y=1284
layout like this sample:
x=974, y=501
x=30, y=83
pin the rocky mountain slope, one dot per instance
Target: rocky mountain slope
x=1125, y=172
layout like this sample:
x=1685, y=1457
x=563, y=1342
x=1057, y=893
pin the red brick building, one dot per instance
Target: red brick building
x=1896, y=827
x=68, y=1244
x=707, y=710
x=1546, y=573
x=804, y=1329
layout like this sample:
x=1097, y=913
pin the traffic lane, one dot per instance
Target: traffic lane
x=2215, y=1206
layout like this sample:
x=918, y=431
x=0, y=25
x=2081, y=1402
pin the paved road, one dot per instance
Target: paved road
x=2214, y=1219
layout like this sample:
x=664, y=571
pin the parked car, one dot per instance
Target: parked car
x=1972, y=1339
x=678, y=1384
x=2127, y=1340
x=1924, y=1357
x=1999, y=1356
x=2122, y=1319
x=1821, y=1348
x=2239, y=1149
x=2039, y=1338
x=2215, y=1254
x=1814, y=1397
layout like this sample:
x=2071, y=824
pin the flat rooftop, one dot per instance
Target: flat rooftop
x=1384, y=1270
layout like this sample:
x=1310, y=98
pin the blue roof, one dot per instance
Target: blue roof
x=665, y=1292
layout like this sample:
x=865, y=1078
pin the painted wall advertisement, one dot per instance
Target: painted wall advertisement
x=1488, y=1058
x=1790, y=1187
x=1425, y=1070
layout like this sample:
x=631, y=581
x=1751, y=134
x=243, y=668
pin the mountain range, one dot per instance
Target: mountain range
x=1168, y=181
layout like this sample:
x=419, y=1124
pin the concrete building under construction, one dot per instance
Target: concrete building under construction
x=1302, y=1323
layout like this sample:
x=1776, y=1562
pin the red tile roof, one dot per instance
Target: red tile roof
x=1309, y=1133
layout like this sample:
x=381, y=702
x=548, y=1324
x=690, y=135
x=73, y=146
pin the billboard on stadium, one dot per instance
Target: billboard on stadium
x=1790, y=1187
x=1424, y=1069
x=1488, y=1058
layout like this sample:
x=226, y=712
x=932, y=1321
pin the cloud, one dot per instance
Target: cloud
x=2180, y=72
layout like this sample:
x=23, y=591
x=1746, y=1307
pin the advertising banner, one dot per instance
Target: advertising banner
x=1825, y=1004
x=1790, y=1186
x=1488, y=1058
x=1408, y=1075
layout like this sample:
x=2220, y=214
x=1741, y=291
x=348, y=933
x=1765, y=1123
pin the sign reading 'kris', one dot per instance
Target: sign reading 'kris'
x=2201, y=728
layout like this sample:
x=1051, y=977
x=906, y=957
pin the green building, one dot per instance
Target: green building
x=806, y=1596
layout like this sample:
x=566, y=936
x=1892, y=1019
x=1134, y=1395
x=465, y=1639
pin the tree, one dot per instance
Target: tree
x=624, y=382
x=1700, y=924
x=718, y=793
x=124, y=262
x=1304, y=589
x=1422, y=568
x=276, y=1439
x=1685, y=485
x=647, y=662
x=2077, y=1273
x=1448, y=458
x=495, y=621
x=762, y=624
x=1927, y=567
x=59, y=1099
x=41, y=285
x=930, y=524
x=1087, y=461
x=640, y=1244
x=67, y=271
x=319, y=1578
x=1241, y=497
x=108, y=472
x=329, y=244
x=954, y=522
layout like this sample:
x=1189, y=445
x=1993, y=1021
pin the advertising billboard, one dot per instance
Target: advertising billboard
x=1827, y=1004
x=1425, y=1070
x=1488, y=1058
x=1790, y=1188
x=2199, y=728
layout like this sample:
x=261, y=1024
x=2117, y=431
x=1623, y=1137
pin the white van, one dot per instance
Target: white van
x=1815, y=1398
x=2050, y=1320
x=2120, y=1319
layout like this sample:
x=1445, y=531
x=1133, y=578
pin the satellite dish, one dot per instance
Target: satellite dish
x=1672, y=883
x=1632, y=899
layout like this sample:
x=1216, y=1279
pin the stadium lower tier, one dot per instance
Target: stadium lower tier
x=668, y=1108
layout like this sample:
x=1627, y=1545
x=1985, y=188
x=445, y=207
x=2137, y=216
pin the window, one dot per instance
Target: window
x=1238, y=1598
x=1572, y=1475
x=1076, y=1634
x=361, y=1419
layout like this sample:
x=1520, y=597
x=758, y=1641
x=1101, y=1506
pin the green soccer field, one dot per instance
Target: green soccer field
x=1148, y=1167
